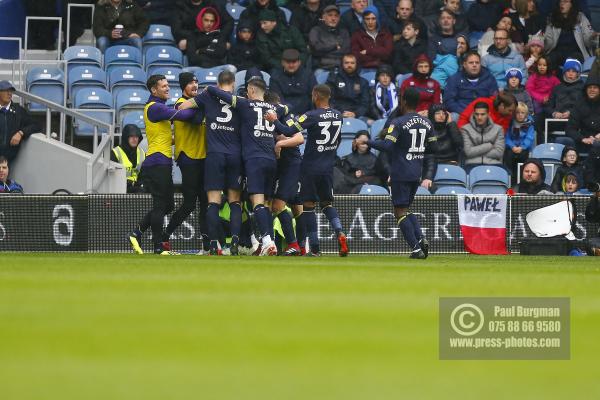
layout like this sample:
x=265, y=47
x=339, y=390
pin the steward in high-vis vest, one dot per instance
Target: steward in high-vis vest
x=157, y=168
x=131, y=156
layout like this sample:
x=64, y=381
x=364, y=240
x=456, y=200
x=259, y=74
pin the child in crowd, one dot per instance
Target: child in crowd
x=570, y=184
x=519, y=139
x=386, y=93
x=243, y=53
x=429, y=89
x=570, y=164
x=514, y=77
x=535, y=49
x=540, y=83
x=408, y=48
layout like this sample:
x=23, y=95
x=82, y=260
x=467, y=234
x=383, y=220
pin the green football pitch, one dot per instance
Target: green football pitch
x=116, y=326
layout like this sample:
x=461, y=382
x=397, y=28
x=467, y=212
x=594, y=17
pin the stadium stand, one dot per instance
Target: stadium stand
x=373, y=190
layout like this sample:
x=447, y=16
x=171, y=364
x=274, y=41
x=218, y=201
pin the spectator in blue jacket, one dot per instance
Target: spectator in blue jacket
x=519, y=139
x=472, y=82
x=293, y=82
x=501, y=57
x=349, y=91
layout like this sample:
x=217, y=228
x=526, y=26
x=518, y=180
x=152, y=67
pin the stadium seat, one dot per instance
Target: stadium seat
x=241, y=75
x=163, y=56
x=377, y=127
x=82, y=55
x=130, y=99
x=345, y=147
x=136, y=118
x=353, y=125
x=92, y=98
x=321, y=76
x=288, y=14
x=235, y=10
x=423, y=191
x=158, y=34
x=120, y=56
x=452, y=190
x=126, y=77
x=85, y=76
x=548, y=152
x=401, y=78
x=208, y=76
x=450, y=175
x=171, y=73
x=374, y=190
x=46, y=82
x=489, y=179
x=370, y=77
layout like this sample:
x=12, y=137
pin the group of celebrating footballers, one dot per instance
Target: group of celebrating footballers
x=220, y=138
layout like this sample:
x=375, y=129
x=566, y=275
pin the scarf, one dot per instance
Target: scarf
x=386, y=99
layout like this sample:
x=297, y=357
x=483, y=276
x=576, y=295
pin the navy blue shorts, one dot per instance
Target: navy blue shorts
x=403, y=193
x=222, y=171
x=287, y=181
x=260, y=175
x=316, y=187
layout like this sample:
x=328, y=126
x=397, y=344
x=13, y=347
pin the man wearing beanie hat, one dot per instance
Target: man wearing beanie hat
x=293, y=82
x=251, y=14
x=566, y=95
x=273, y=38
x=514, y=86
x=190, y=152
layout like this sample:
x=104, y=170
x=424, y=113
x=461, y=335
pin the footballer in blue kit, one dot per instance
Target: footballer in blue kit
x=323, y=125
x=258, y=152
x=407, y=141
x=223, y=165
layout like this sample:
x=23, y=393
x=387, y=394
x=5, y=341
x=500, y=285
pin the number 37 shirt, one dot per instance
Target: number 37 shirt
x=323, y=127
x=406, y=140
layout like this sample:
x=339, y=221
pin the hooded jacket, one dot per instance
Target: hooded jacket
x=498, y=63
x=483, y=145
x=271, y=45
x=584, y=120
x=446, y=140
x=429, y=89
x=460, y=92
x=207, y=49
x=183, y=21
x=564, y=169
x=533, y=188
x=378, y=49
x=349, y=92
x=324, y=41
x=128, y=14
x=243, y=55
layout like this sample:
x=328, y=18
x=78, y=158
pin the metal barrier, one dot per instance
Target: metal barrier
x=58, y=38
x=546, y=123
x=99, y=163
x=69, y=20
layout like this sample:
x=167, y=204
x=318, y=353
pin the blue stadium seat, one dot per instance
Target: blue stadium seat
x=345, y=147
x=92, y=98
x=130, y=99
x=450, y=175
x=158, y=34
x=423, y=191
x=401, y=78
x=208, y=76
x=370, y=77
x=164, y=56
x=452, y=190
x=235, y=10
x=121, y=55
x=174, y=95
x=85, y=76
x=489, y=179
x=46, y=82
x=374, y=190
x=171, y=73
x=241, y=75
x=587, y=64
x=377, y=127
x=136, y=118
x=548, y=152
x=288, y=14
x=353, y=125
x=321, y=76
x=82, y=55
x=126, y=77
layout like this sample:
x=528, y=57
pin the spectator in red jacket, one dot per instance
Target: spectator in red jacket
x=429, y=89
x=372, y=45
x=502, y=107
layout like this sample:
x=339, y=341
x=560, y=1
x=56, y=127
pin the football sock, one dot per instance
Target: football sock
x=213, y=221
x=334, y=219
x=408, y=231
x=301, y=229
x=287, y=226
x=416, y=226
x=262, y=216
x=235, y=218
x=311, y=229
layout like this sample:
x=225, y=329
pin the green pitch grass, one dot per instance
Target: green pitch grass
x=144, y=327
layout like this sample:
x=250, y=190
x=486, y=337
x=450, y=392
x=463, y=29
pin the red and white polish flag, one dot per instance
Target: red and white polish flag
x=482, y=221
